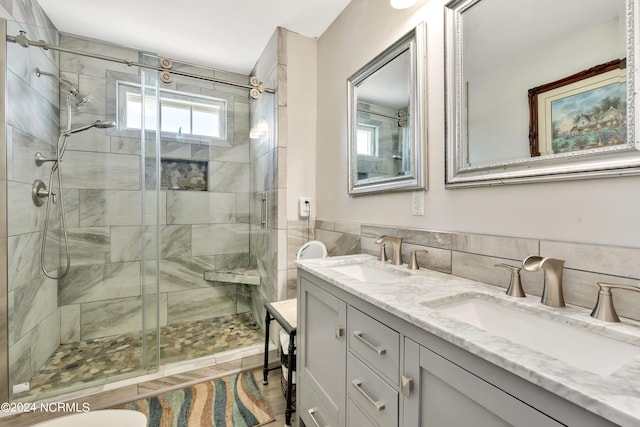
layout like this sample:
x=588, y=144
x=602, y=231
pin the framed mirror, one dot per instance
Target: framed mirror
x=538, y=92
x=387, y=147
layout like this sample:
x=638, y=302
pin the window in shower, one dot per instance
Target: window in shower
x=183, y=116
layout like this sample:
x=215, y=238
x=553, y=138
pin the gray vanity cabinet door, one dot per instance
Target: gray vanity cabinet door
x=445, y=395
x=323, y=348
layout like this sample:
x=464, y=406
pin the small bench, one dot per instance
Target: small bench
x=246, y=276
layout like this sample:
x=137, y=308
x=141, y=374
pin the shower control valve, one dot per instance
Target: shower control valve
x=39, y=193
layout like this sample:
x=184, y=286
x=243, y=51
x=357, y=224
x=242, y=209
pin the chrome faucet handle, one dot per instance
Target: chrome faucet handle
x=604, y=309
x=515, y=284
x=413, y=263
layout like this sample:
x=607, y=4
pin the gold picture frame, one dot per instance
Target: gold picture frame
x=586, y=110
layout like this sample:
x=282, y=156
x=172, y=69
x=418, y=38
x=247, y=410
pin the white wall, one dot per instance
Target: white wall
x=592, y=211
x=301, y=122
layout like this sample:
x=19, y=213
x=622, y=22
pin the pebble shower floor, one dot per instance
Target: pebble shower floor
x=85, y=361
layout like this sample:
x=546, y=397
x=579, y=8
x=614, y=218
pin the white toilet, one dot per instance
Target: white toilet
x=101, y=418
x=312, y=249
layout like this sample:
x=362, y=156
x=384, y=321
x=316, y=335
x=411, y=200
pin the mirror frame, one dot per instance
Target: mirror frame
x=619, y=160
x=415, y=43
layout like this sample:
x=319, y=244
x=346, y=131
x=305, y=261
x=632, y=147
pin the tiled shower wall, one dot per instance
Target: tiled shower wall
x=198, y=230
x=32, y=125
x=474, y=256
x=263, y=185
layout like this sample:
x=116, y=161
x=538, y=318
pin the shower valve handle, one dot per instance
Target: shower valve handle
x=39, y=192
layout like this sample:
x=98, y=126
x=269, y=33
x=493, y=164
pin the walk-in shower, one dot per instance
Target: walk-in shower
x=126, y=198
x=40, y=191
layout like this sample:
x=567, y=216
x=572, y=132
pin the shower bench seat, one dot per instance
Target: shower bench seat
x=246, y=276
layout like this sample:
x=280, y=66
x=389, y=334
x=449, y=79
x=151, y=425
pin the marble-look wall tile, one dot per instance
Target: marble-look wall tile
x=89, y=66
x=113, y=317
x=180, y=274
x=124, y=145
x=98, y=282
x=23, y=104
x=581, y=288
x=347, y=227
x=199, y=304
x=228, y=261
x=175, y=241
x=217, y=239
x=435, y=259
x=23, y=150
x=86, y=170
x=378, y=231
x=433, y=239
x=69, y=323
x=20, y=361
x=23, y=216
x=29, y=305
x=228, y=177
x=24, y=260
x=238, y=152
x=126, y=243
x=191, y=207
x=108, y=208
x=496, y=246
x=339, y=243
x=326, y=225
x=482, y=268
x=243, y=213
x=89, y=245
x=45, y=340
x=597, y=258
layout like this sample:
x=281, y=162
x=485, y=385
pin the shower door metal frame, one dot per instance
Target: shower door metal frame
x=4, y=311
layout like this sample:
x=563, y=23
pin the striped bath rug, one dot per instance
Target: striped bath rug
x=232, y=401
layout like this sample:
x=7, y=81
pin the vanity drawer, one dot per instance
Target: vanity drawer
x=356, y=417
x=311, y=409
x=377, y=399
x=374, y=343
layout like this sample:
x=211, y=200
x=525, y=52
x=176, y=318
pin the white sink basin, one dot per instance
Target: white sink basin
x=369, y=273
x=576, y=346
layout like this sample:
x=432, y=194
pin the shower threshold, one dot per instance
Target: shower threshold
x=97, y=360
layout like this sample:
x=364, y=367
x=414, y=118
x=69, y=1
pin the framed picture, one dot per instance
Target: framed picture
x=586, y=110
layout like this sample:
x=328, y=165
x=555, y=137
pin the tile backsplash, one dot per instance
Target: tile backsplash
x=474, y=256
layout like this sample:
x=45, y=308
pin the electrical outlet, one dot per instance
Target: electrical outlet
x=417, y=203
x=304, y=207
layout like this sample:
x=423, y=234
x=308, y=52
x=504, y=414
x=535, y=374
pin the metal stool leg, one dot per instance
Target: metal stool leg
x=292, y=348
x=265, y=368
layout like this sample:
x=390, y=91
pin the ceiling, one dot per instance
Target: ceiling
x=223, y=34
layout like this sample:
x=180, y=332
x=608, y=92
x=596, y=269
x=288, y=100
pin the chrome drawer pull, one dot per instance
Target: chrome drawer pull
x=379, y=350
x=311, y=412
x=379, y=405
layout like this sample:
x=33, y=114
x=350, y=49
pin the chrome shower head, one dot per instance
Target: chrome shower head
x=80, y=99
x=100, y=124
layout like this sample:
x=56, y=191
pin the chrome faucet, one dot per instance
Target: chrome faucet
x=396, y=244
x=552, y=292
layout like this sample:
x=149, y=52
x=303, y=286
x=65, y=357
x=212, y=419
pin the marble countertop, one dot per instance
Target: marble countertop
x=615, y=396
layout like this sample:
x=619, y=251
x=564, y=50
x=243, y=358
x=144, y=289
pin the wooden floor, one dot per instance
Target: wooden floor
x=272, y=393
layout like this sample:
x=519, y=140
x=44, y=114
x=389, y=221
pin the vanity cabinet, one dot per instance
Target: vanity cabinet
x=360, y=366
x=444, y=394
x=321, y=355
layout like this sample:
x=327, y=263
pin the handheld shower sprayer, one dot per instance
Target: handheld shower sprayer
x=80, y=99
x=99, y=124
